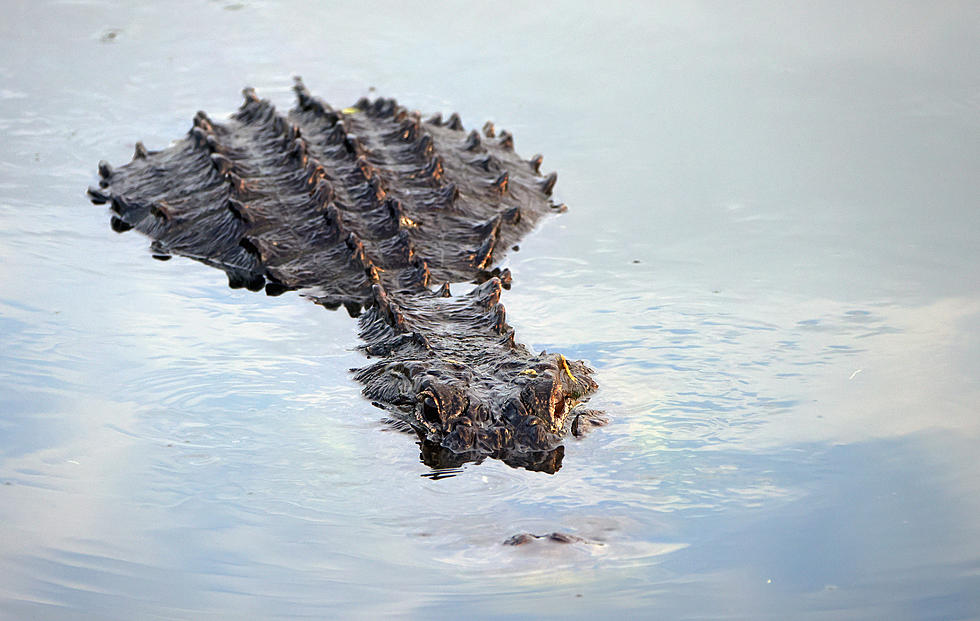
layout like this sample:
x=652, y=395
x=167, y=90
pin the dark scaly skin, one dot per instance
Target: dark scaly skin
x=371, y=207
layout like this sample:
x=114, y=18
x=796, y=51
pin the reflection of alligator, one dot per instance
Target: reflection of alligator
x=369, y=207
x=556, y=537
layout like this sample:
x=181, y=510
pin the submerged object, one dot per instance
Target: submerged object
x=373, y=208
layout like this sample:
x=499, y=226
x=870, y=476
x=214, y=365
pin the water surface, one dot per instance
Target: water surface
x=770, y=257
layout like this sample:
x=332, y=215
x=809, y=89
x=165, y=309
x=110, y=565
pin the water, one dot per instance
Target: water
x=770, y=257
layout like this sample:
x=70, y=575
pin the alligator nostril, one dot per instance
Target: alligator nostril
x=430, y=410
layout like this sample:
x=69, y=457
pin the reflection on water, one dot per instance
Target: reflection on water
x=770, y=258
x=443, y=460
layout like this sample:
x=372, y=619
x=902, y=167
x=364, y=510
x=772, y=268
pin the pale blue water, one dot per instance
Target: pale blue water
x=770, y=257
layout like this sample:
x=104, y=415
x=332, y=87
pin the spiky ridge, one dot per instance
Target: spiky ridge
x=368, y=207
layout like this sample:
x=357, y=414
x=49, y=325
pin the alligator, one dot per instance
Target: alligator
x=372, y=208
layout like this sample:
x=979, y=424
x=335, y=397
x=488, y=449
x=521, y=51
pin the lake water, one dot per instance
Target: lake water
x=771, y=258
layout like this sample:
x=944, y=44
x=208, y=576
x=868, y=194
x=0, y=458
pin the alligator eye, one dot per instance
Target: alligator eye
x=430, y=410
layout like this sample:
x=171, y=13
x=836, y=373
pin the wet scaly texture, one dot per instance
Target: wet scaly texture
x=374, y=208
